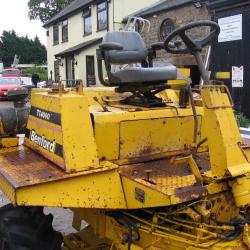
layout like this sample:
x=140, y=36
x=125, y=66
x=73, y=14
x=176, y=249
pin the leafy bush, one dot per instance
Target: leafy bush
x=242, y=120
x=43, y=74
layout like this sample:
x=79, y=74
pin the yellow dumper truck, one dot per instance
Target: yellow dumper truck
x=140, y=162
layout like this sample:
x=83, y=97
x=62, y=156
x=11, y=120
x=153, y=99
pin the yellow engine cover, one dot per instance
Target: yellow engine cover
x=60, y=129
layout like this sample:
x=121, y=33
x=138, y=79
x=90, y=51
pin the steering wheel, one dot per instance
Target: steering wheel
x=192, y=45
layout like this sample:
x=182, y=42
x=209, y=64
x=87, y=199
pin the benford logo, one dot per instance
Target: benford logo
x=42, y=114
x=42, y=141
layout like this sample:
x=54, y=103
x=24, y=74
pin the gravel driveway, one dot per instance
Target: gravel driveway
x=4, y=103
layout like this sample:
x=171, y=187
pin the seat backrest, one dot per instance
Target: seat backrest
x=134, y=49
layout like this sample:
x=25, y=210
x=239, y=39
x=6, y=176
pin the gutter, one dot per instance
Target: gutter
x=216, y=4
x=69, y=14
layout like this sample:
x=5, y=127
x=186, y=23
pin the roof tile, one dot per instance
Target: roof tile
x=159, y=6
x=79, y=47
x=72, y=7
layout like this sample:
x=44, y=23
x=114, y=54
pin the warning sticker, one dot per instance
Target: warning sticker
x=231, y=28
x=237, y=76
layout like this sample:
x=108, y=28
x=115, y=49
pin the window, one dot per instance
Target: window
x=87, y=21
x=65, y=31
x=56, y=34
x=102, y=16
x=166, y=28
x=90, y=68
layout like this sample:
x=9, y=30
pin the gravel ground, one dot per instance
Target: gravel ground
x=5, y=103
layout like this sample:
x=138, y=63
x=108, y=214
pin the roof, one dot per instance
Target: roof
x=74, y=7
x=79, y=47
x=160, y=6
x=214, y=4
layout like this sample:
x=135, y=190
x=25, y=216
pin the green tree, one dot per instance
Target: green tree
x=29, y=51
x=45, y=9
x=9, y=46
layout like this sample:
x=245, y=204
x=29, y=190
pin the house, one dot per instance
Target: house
x=164, y=17
x=73, y=36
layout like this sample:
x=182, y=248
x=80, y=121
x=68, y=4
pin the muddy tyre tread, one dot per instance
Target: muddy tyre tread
x=27, y=228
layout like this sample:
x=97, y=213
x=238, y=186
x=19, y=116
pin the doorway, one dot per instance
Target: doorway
x=57, y=71
x=70, y=70
x=233, y=51
x=90, y=71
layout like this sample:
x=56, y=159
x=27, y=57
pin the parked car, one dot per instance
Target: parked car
x=7, y=83
x=11, y=72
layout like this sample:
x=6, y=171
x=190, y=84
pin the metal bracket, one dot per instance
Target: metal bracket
x=216, y=87
x=193, y=166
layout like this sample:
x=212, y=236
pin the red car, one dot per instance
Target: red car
x=7, y=83
x=11, y=72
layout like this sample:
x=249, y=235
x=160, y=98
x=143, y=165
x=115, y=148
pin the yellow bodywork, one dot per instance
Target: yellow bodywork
x=99, y=159
x=9, y=142
x=64, y=131
x=134, y=171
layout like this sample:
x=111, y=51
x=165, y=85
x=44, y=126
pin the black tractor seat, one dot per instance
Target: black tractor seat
x=139, y=74
x=127, y=49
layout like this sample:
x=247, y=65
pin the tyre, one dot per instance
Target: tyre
x=27, y=228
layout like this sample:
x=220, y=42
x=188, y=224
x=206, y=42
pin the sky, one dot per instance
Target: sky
x=14, y=15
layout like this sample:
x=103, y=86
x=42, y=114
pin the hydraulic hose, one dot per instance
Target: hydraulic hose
x=231, y=236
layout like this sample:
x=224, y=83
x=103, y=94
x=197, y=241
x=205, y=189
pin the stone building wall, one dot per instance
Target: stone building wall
x=179, y=16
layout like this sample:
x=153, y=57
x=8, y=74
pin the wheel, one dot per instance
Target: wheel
x=27, y=228
x=191, y=45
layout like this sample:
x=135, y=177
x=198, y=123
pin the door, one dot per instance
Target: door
x=90, y=71
x=70, y=70
x=236, y=52
x=56, y=71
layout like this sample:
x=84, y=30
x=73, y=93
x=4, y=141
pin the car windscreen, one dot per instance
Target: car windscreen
x=9, y=81
x=11, y=72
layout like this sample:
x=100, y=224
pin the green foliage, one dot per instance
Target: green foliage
x=242, y=120
x=45, y=9
x=43, y=74
x=28, y=50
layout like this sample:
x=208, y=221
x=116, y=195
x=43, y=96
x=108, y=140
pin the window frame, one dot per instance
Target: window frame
x=65, y=28
x=87, y=14
x=56, y=25
x=100, y=11
x=92, y=58
x=167, y=22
